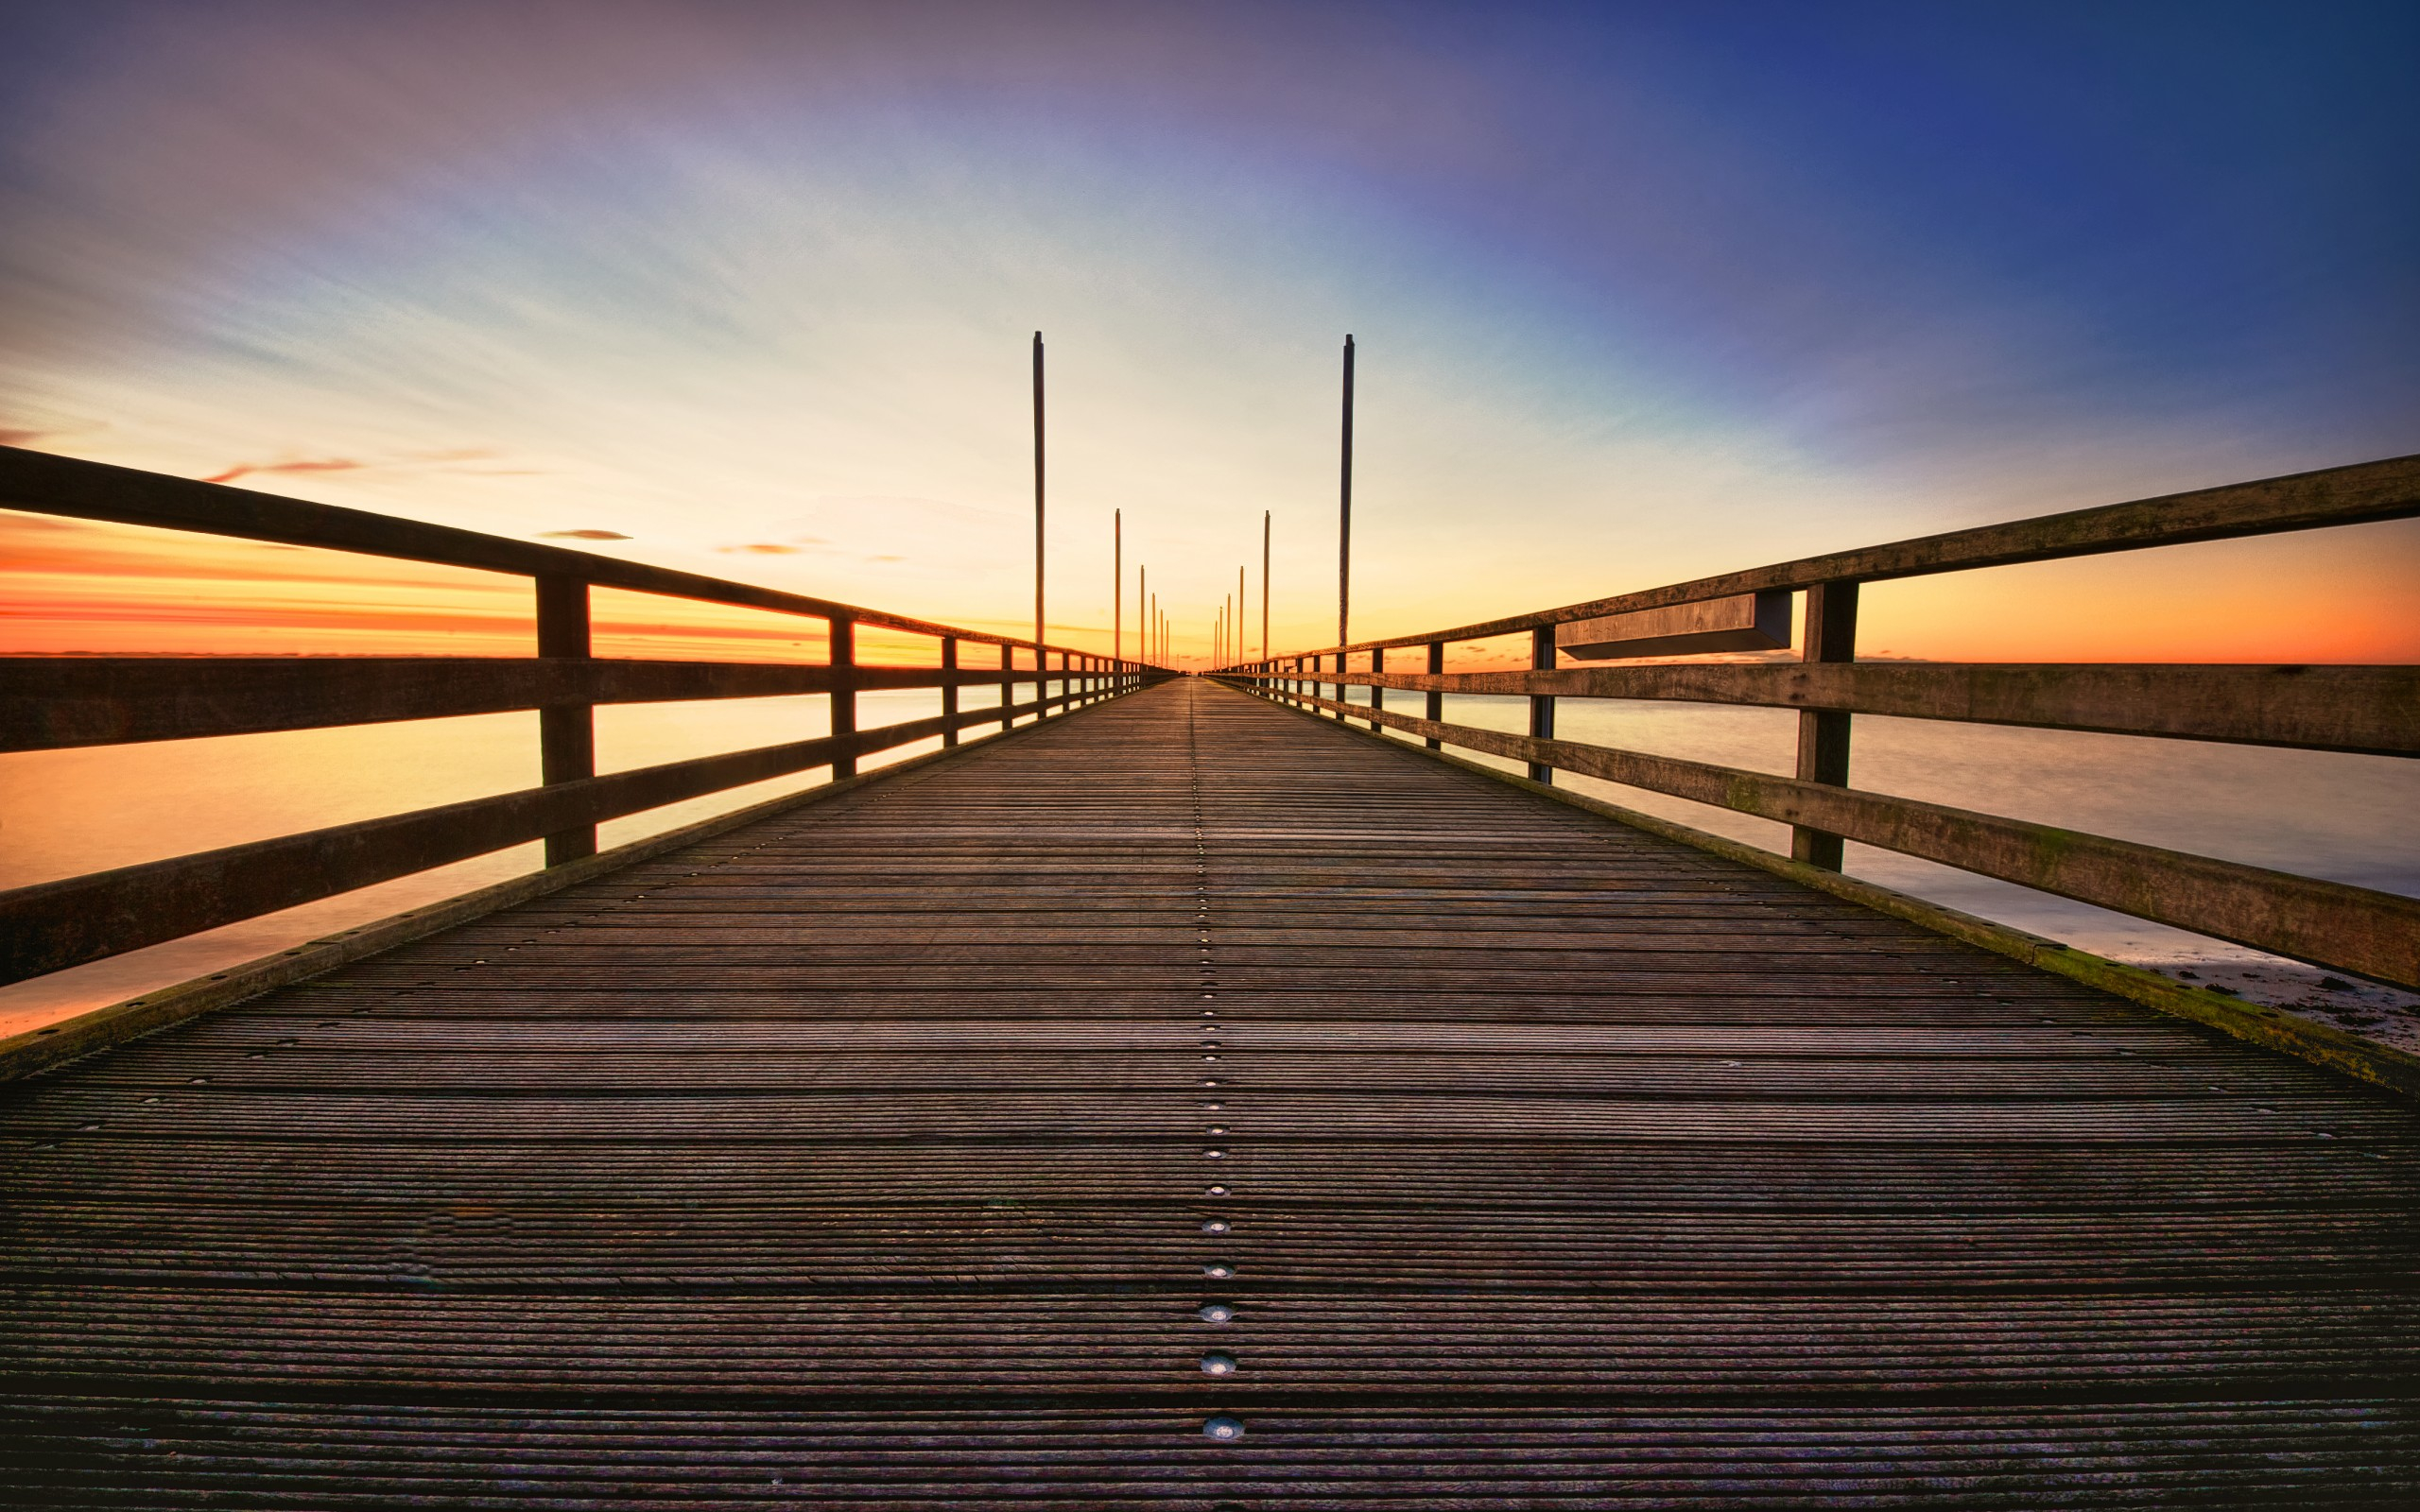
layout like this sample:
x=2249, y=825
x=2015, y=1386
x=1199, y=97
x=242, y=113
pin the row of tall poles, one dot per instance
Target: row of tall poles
x=1152, y=629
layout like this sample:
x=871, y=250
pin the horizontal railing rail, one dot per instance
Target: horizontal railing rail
x=50, y=703
x=2367, y=710
x=2356, y=929
x=54, y=702
x=2362, y=493
x=48, y=484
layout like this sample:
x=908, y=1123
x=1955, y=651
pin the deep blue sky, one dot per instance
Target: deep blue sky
x=1642, y=290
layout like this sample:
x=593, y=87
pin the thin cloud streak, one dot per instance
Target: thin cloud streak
x=1641, y=294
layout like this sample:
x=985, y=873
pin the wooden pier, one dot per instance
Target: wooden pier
x=1193, y=1103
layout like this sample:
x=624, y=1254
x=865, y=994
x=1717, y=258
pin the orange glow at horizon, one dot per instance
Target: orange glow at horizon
x=2350, y=595
x=92, y=588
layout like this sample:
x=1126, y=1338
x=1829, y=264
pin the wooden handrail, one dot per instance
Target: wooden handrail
x=2357, y=929
x=2367, y=710
x=54, y=702
x=2358, y=494
x=50, y=703
x=53, y=925
x=44, y=484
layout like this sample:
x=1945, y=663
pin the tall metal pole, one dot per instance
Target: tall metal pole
x=1142, y=612
x=1241, y=611
x=1038, y=637
x=1117, y=580
x=1264, y=585
x=1344, y=502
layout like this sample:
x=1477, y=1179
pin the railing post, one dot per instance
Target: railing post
x=1824, y=733
x=1436, y=700
x=1377, y=694
x=1008, y=682
x=1541, y=707
x=844, y=692
x=1339, y=685
x=566, y=732
x=949, y=690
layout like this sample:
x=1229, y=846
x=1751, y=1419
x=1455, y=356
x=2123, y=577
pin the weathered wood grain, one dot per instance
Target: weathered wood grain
x=862, y=1155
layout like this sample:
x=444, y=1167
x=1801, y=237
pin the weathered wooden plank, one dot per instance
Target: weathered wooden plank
x=1744, y=622
x=2369, y=710
x=873, y=1148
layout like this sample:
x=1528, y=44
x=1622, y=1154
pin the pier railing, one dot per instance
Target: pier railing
x=52, y=701
x=2366, y=708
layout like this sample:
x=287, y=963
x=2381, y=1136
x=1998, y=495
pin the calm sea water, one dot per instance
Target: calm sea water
x=68, y=812
x=2349, y=819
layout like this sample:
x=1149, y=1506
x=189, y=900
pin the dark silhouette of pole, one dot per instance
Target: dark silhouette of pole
x=1037, y=504
x=1264, y=585
x=1344, y=498
x=1118, y=583
x=1142, y=612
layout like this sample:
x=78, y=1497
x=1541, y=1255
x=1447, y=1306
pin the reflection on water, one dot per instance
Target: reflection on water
x=64, y=813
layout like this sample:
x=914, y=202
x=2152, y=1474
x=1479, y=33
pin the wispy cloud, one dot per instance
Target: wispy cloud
x=331, y=464
x=1640, y=291
x=583, y=535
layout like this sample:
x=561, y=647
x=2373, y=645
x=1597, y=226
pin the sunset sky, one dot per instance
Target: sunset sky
x=1640, y=292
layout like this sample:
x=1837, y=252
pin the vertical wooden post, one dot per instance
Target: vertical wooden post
x=566, y=732
x=1344, y=515
x=1542, y=709
x=1377, y=694
x=1264, y=587
x=1007, y=682
x=1118, y=582
x=1824, y=733
x=1436, y=700
x=949, y=690
x=844, y=692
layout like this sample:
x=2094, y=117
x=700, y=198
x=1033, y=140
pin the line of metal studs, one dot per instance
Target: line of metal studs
x=1215, y=1314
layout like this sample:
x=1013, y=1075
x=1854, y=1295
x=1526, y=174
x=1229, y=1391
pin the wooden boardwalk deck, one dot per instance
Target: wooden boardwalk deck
x=911, y=1149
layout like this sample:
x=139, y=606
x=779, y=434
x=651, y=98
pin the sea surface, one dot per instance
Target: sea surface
x=2347, y=818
